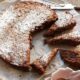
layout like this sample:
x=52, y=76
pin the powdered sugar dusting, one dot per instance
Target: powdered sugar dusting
x=5, y=19
x=64, y=19
x=30, y=21
x=15, y=26
x=45, y=58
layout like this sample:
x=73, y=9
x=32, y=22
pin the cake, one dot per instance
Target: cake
x=70, y=38
x=71, y=57
x=65, y=22
x=17, y=24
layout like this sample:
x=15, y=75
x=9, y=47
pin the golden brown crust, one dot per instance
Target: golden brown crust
x=34, y=5
x=37, y=66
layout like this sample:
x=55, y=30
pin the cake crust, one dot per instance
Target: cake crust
x=41, y=64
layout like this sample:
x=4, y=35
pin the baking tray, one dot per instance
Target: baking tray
x=9, y=73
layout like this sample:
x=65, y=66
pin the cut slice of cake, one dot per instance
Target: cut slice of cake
x=65, y=22
x=71, y=57
x=41, y=64
x=16, y=25
x=71, y=38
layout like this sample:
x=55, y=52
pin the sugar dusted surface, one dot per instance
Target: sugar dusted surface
x=74, y=33
x=15, y=26
x=64, y=18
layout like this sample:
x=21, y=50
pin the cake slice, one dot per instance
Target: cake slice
x=71, y=38
x=65, y=22
x=71, y=57
x=16, y=25
x=41, y=64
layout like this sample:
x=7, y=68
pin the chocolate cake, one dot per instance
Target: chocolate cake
x=41, y=64
x=16, y=25
x=70, y=38
x=71, y=57
x=65, y=22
